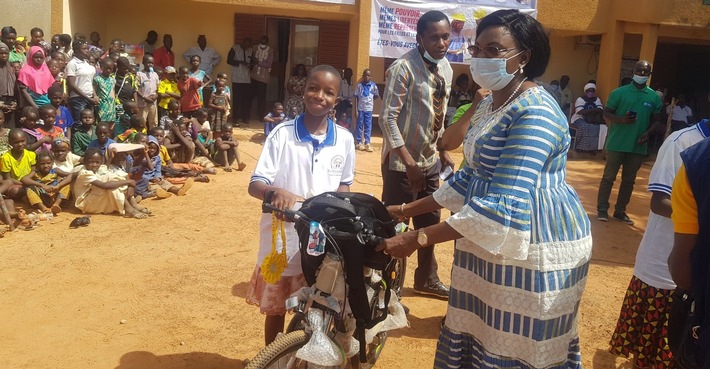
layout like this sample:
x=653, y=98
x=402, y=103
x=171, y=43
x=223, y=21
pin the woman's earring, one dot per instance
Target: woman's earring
x=521, y=69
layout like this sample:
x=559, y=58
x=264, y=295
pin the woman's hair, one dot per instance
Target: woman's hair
x=44, y=154
x=36, y=31
x=44, y=109
x=92, y=151
x=65, y=39
x=431, y=16
x=528, y=34
x=30, y=110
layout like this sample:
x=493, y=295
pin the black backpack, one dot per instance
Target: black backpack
x=350, y=219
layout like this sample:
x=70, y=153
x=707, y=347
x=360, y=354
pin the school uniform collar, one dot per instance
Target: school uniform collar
x=704, y=128
x=302, y=134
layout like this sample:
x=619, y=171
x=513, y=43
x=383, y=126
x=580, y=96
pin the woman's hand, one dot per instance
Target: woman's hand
x=396, y=212
x=401, y=245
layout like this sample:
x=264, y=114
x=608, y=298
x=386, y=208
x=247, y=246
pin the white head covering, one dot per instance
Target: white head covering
x=590, y=85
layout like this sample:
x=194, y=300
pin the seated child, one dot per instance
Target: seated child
x=45, y=188
x=177, y=172
x=83, y=134
x=29, y=122
x=4, y=135
x=172, y=116
x=15, y=164
x=275, y=116
x=103, y=132
x=199, y=128
x=137, y=126
x=228, y=150
x=179, y=142
x=48, y=113
x=117, y=156
x=123, y=122
x=65, y=161
x=219, y=105
x=151, y=169
x=104, y=86
x=64, y=119
x=99, y=191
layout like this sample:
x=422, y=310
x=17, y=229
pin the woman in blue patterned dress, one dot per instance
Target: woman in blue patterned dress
x=524, y=240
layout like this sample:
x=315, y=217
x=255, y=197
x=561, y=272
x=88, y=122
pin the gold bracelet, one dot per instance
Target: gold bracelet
x=401, y=209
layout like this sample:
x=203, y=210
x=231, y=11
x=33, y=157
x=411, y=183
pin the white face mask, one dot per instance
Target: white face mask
x=491, y=73
x=430, y=58
x=640, y=79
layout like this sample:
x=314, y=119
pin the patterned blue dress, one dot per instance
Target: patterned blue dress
x=520, y=270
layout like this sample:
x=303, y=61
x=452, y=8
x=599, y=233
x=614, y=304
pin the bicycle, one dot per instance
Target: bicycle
x=330, y=311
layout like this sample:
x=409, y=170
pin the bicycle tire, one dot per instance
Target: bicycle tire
x=400, y=270
x=275, y=351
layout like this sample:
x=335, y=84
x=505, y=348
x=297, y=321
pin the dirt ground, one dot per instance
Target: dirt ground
x=168, y=292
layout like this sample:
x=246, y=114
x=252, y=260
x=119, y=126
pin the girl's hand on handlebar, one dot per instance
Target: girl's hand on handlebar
x=283, y=200
x=400, y=246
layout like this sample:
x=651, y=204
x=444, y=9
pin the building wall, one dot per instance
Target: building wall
x=215, y=19
x=27, y=14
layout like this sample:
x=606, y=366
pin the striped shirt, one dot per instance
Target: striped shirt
x=408, y=112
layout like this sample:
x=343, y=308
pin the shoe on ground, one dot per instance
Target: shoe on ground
x=622, y=217
x=368, y=148
x=602, y=216
x=162, y=194
x=437, y=289
x=186, y=187
x=360, y=147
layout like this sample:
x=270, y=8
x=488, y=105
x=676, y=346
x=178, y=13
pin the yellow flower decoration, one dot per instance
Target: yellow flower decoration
x=275, y=263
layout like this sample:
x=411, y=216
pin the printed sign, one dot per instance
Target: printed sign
x=394, y=23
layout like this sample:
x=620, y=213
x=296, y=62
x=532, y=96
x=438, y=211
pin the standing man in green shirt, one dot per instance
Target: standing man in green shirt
x=8, y=34
x=633, y=111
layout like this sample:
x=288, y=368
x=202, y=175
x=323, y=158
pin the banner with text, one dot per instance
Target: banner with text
x=394, y=23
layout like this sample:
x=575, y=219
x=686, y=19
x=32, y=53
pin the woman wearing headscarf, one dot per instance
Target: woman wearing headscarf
x=35, y=78
x=8, y=101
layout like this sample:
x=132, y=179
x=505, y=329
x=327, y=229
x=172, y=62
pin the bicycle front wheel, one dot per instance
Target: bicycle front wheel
x=281, y=354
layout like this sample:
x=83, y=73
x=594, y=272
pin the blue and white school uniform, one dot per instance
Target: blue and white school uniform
x=305, y=165
x=520, y=269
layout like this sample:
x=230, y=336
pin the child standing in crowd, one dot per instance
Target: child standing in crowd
x=49, y=115
x=148, y=82
x=64, y=160
x=285, y=174
x=167, y=91
x=189, y=92
x=125, y=87
x=45, y=188
x=200, y=75
x=83, y=134
x=64, y=119
x=104, y=86
x=219, y=103
x=98, y=191
x=275, y=116
x=228, y=150
x=17, y=163
x=365, y=94
x=103, y=137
